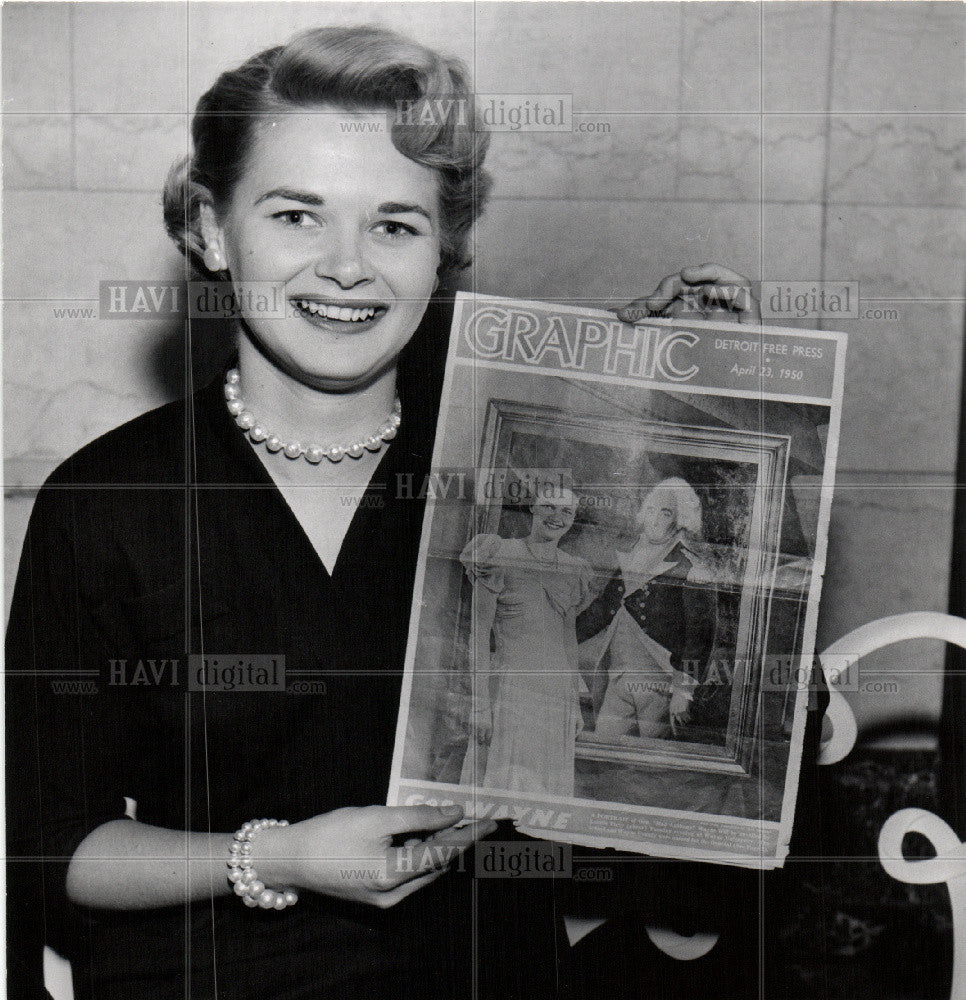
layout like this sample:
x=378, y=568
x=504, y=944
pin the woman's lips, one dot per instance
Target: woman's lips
x=340, y=318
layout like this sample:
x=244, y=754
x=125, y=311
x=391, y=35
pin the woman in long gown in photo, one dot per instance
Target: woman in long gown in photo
x=525, y=712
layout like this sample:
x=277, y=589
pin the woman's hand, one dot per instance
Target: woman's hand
x=349, y=853
x=707, y=291
x=679, y=711
x=481, y=723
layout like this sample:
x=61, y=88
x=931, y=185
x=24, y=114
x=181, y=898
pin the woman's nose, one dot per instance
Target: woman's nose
x=343, y=260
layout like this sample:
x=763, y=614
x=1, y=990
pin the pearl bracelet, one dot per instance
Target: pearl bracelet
x=242, y=875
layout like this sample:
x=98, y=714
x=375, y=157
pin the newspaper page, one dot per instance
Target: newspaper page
x=613, y=628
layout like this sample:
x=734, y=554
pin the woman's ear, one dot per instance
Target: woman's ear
x=213, y=237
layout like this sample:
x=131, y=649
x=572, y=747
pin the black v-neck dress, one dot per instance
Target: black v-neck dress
x=165, y=538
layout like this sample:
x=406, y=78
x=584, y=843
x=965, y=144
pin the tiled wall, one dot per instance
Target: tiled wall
x=792, y=141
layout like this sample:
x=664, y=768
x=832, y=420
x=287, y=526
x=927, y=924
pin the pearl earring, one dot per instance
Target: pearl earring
x=213, y=259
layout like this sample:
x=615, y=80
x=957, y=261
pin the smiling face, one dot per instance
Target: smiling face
x=658, y=516
x=350, y=230
x=553, y=516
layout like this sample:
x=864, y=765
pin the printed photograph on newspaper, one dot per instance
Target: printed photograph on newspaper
x=613, y=629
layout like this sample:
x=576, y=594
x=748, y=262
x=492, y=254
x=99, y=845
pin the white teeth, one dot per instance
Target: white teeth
x=342, y=313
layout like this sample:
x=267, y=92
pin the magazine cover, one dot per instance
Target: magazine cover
x=613, y=631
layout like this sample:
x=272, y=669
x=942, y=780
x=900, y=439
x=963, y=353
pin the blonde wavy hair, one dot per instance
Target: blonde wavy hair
x=357, y=69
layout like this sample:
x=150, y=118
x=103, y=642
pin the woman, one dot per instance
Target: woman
x=229, y=526
x=526, y=594
x=654, y=620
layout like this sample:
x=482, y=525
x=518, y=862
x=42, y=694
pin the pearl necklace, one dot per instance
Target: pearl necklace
x=294, y=449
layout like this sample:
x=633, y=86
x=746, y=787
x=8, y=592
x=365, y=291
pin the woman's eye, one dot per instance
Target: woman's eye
x=295, y=217
x=390, y=227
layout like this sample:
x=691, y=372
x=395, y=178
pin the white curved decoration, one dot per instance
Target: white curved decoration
x=948, y=866
x=845, y=730
x=853, y=646
x=685, y=949
x=864, y=640
x=897, y=628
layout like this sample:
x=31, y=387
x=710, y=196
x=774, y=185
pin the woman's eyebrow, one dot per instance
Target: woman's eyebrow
x=290, y=194
x=402, y=207
x=309, y=198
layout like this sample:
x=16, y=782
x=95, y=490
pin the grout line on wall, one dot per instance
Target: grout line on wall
x=678, y=129
x=761, y=142
x=708, y=113
x=570, y=199
x=73, y=96
x=891, y=203
x=830, y=86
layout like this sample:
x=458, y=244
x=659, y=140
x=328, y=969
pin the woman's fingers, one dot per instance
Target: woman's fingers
x=399, y=892
x=465, y=835
x=695, y=290
x=412, y=861
x=725, y=288
x=712, y=274
x=633, y=312
x=349, y=854
x=411, y=819
x=403, y=864
x=653, y=304
x=666, y=292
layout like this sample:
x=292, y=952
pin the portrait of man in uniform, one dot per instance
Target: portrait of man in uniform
x=649, y=633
